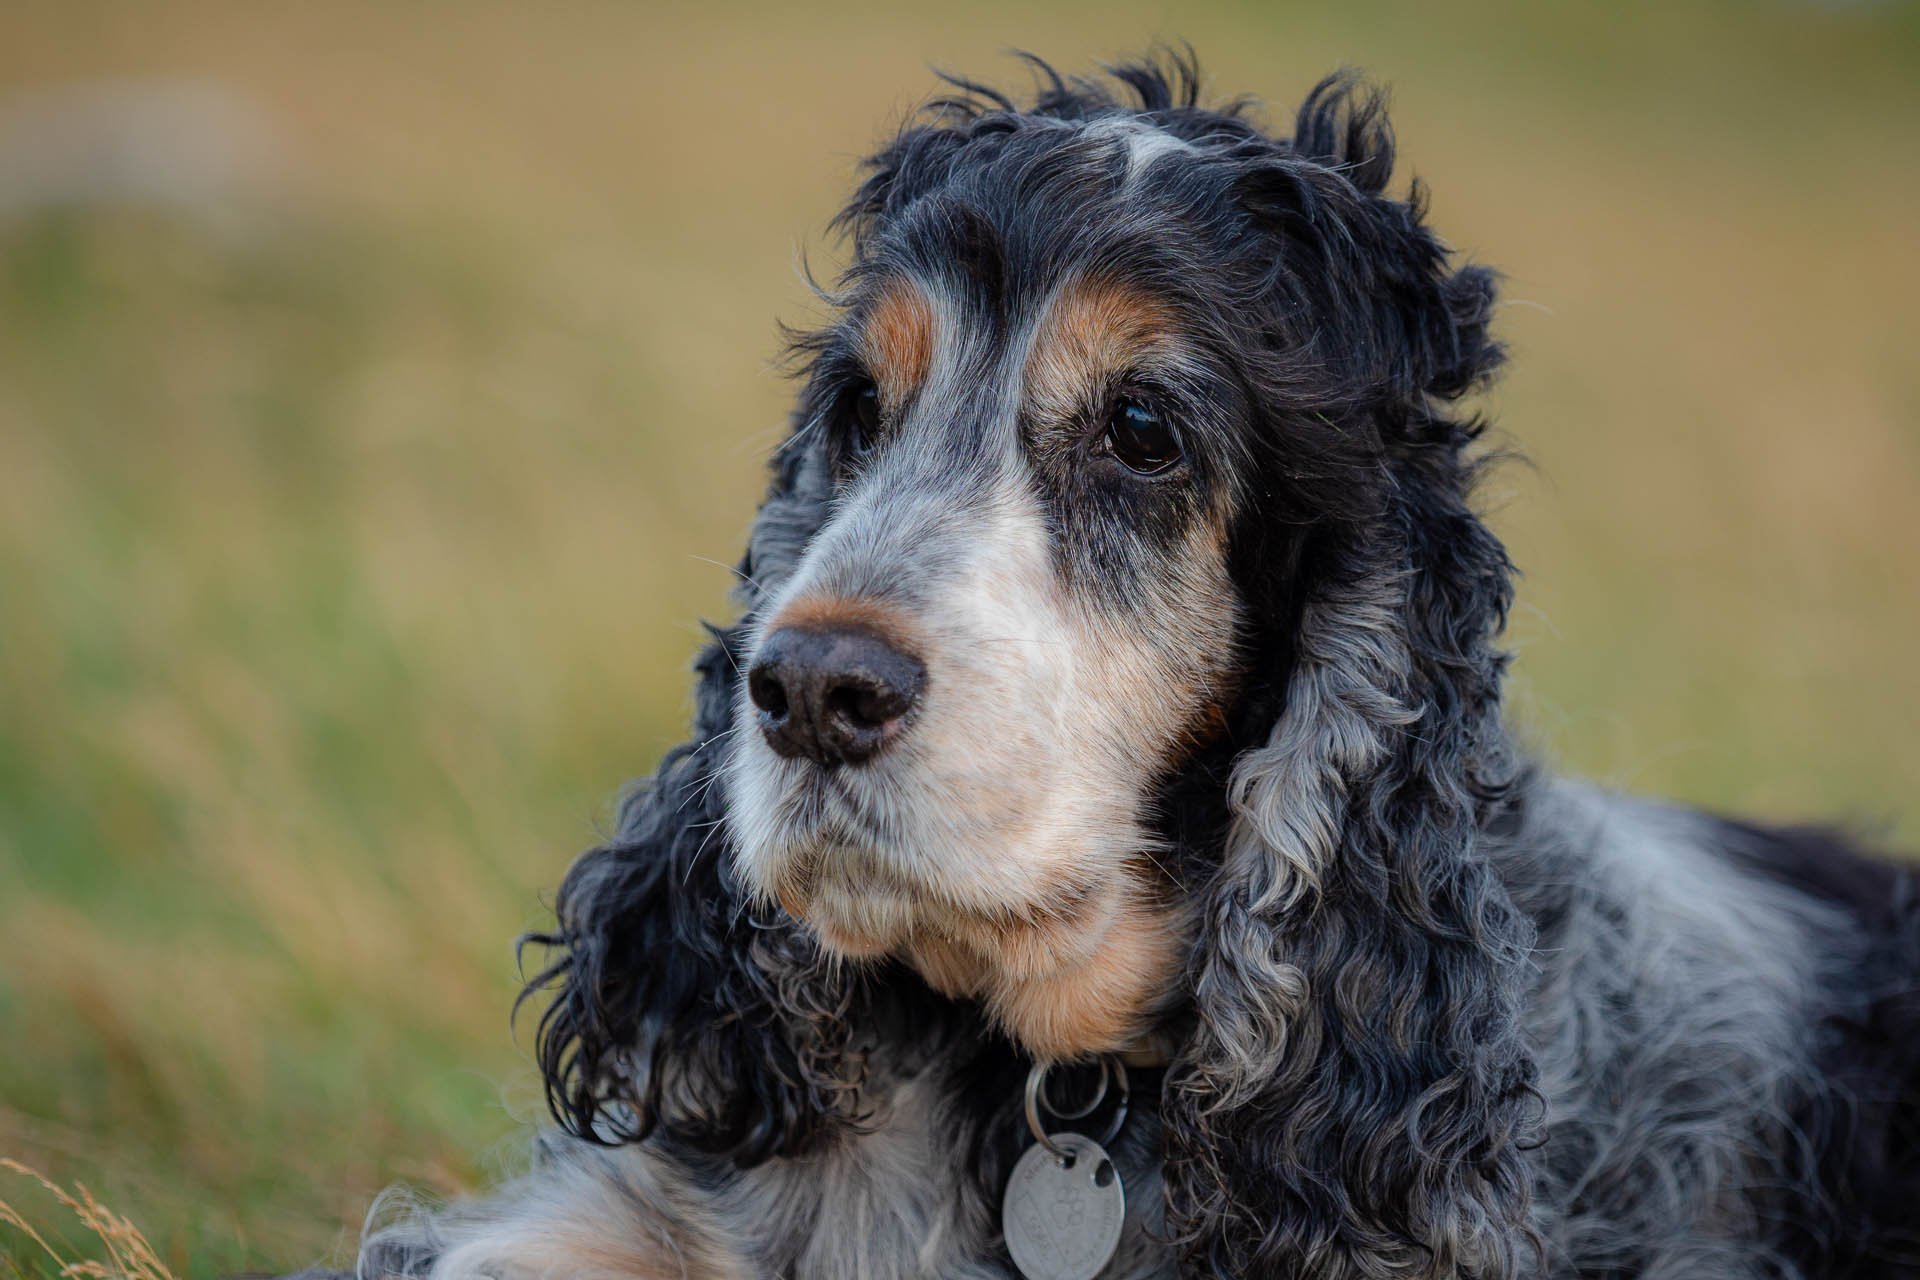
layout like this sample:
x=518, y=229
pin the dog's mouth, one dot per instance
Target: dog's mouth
x=1069, y=955
x=837, y=866
x=853, y=898
x=819, y=809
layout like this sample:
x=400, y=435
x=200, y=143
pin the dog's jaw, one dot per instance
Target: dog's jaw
x=1083, y=975
x=1083, y=968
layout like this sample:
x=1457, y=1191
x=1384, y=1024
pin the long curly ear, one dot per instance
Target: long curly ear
x=680, y=1008
x=1357, y=1095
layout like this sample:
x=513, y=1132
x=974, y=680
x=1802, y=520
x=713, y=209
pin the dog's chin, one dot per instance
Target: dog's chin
x=1058, y=926
x=1086, y=972
x=852, y=921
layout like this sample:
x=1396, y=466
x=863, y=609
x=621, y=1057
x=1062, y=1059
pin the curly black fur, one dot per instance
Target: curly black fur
x=681, y=1006
x=1427, y=981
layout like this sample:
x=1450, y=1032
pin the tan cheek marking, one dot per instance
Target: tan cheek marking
x=851, y=944
x=1168, y=673
x=951, y=965
x=794, y=895
x=1091, y=332
x=1221, y=668
x=897, y=342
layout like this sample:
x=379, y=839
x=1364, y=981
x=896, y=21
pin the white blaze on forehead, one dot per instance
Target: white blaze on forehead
x=1144, y=142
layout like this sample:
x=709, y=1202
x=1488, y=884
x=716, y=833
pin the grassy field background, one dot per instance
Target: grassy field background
x=354, y=524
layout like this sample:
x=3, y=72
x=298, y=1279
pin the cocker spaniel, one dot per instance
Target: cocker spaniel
x=1101, y=849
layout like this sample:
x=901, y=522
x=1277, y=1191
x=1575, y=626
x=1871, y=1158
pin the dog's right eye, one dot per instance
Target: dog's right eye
x=862, y=410
x=1143, y=441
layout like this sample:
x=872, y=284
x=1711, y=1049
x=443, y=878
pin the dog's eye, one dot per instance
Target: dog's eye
x=863, y=417
x=1141, y=439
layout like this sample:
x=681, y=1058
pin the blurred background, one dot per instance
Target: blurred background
x=383, y=386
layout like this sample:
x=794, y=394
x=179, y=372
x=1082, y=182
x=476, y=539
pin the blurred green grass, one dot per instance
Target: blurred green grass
x=349, y=559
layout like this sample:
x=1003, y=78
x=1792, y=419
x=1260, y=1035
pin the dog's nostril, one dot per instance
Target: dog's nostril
x=764, y=687
x=867, y=707
x=847, y=704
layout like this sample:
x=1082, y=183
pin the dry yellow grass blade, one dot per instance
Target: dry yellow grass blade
x=129, y=1256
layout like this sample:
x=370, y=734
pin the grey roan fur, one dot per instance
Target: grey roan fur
x=1443, y=1015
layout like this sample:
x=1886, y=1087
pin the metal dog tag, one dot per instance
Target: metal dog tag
x=1062, y=1218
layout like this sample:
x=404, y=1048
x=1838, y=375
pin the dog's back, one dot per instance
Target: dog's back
x=1727, y=1022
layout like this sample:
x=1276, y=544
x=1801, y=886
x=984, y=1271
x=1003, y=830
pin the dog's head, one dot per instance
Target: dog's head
x=1100, y=375
x=1119, y=655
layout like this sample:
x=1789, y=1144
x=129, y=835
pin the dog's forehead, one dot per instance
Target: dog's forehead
x=1013, y=216
x=1143, y=141
x=1058, y=246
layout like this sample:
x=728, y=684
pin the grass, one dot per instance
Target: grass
x=350, y=556
x=126, y=1250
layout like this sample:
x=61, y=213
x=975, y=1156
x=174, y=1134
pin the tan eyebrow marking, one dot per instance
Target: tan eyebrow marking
x=1091, y=331
x=897, y=341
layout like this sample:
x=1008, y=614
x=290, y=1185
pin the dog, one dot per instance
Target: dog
x=1114, y=730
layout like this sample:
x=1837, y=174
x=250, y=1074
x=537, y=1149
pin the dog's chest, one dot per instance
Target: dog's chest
x=902, y=1201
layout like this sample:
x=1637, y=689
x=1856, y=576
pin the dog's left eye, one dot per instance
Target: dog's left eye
x=1141, y=439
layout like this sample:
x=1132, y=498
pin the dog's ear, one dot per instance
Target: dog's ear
x=681, y=1007
x=1357, y=1094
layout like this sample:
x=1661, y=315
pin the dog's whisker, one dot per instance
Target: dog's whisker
x=698, y=792
x=713, y=829
x=1034, y=640
x=1163, y=869
x=735, y=570
x=721, y=736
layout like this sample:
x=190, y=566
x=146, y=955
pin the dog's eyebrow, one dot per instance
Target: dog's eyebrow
x=1092, y=330
x=896, y=340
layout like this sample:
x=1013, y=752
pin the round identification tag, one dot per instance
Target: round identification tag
x=1062, y=1218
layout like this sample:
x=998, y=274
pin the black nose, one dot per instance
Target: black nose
x=834, y=695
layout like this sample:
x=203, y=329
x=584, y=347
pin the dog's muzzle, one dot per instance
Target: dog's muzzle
x=834, y=695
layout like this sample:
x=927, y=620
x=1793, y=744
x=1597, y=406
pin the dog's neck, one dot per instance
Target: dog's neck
x=1090, y=981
